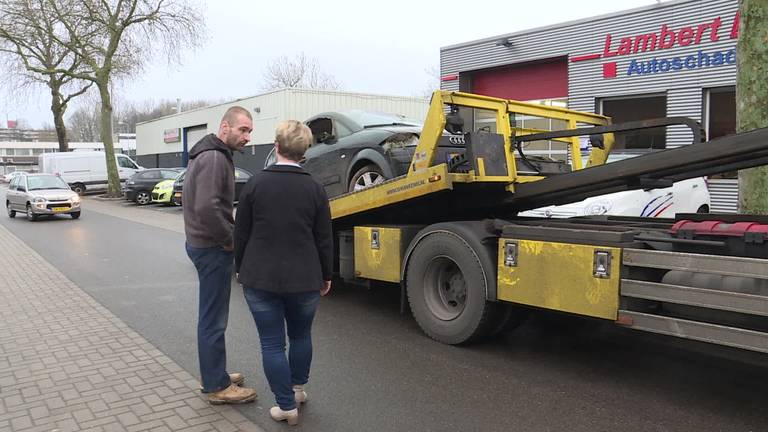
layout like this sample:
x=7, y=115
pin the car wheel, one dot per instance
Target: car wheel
x=78, y=188
x=75, y=215
x=143, y=198
x=31, y=216
x=365, y=177
x=11, y=213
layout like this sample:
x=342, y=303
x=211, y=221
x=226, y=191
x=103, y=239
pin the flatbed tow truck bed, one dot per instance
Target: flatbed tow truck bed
x=448, y=234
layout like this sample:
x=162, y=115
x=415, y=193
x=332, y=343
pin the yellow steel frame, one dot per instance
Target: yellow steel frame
x=424, y=178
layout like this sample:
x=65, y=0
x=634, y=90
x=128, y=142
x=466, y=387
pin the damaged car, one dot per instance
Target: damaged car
x=356, y=149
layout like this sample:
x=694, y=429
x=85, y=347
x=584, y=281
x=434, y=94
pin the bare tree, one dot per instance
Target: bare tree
x=32, y=56
x=115, y=38
x=300, y=72
x=434, y=82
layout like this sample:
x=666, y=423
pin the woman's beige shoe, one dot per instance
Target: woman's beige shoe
x=291, y=416
x=232, y=395
x=299, y=395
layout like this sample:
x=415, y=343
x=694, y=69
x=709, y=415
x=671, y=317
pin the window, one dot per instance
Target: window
x=149, y=174
x=37, y=151
x=14, y=183
x=637, y=108
x=241, y=174
x=124, y=162
x=10, y=152
x=720, y=117
x=168, y=174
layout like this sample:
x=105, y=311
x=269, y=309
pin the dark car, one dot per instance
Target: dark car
x=356, y=149
x=139, y=187
x=241, y=178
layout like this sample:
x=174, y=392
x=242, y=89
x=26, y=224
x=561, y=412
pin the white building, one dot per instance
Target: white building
x=162, y=142
x=22, y=155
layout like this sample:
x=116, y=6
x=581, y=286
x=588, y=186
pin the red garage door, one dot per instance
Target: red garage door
x=541, y=80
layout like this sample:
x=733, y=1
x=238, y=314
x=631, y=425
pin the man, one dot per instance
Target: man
x=209, y=190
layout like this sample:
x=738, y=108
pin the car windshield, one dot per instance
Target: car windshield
x=45, y=182
x=369, y=119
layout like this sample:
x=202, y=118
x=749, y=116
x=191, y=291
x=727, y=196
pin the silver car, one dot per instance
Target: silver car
x=41, y=194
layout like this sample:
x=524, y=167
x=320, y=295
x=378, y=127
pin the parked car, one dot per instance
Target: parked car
x=356, y=149
x=10, y=176
x=163, y=191
x=687, y=196
x=85, y=170
x=139, y=187
x=241, y=178
x=41, y=195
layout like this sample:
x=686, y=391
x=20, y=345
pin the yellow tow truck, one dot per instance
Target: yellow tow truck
x=447, y=232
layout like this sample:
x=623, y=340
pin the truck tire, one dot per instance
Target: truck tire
x=447, y=283
x=78, y=188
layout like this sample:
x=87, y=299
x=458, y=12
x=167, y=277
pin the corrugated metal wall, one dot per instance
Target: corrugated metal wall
x=684, y=88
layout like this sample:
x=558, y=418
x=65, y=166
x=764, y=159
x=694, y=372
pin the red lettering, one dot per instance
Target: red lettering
x=735, y=26
x=625, y=46
x=715, y=27
x=648, y=42
x=607, y=50
x=700, y=32
x=684, y=36
x=667, y=33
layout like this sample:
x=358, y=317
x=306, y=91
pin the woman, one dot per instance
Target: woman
x=284, y=257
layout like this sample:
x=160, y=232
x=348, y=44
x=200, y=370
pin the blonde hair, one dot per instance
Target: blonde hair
x=293, y=138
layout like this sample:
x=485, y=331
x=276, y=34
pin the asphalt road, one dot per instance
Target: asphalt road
x=374, y=369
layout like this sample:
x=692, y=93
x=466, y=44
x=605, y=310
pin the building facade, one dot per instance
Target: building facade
x=23, y=155
x=676, y=58
x=163, y=142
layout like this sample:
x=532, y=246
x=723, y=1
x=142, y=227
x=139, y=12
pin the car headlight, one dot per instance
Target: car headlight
x=38, y=200
x=599, y=208
x=75, y=199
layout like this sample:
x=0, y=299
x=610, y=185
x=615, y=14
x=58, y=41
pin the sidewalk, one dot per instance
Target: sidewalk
x=68, y=364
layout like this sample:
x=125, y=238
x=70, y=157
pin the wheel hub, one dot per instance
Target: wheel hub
x=445, y=289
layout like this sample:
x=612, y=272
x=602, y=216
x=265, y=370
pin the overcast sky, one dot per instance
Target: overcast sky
x=371, y=47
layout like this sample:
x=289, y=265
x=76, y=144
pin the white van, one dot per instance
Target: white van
x=85, y=170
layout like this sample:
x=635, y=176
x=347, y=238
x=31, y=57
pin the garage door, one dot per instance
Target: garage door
x=532, y=81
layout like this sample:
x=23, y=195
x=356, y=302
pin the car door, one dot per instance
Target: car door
x=12, y=194
x=125, y=167
x=241, y=178
x=328, y=157
x=20, y=197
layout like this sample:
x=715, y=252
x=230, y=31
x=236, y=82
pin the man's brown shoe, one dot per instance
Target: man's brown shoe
x=235, y=378
x=232, y=395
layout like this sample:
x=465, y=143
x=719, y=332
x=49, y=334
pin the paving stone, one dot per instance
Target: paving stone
x=57, y=374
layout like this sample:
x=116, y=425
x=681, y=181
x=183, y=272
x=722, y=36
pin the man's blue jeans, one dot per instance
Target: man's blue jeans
x=274, y=312
x=214, y=270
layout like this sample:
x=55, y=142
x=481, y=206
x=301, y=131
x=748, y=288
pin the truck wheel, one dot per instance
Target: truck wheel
x=78, y=188
x=365, y=177
x=447, y=290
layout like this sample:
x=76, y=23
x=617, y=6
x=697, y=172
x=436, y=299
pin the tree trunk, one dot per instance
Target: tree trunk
x=113, y=189
x=752, y=98
x=58, y=119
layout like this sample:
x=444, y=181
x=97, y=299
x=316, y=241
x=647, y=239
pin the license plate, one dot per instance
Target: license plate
x=60, y=209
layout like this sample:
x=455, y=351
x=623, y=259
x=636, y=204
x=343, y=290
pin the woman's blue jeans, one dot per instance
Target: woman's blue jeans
x=273, y=313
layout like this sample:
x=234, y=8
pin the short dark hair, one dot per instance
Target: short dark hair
x=231, y=114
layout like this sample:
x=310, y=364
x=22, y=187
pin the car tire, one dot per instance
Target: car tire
x=75, y=215
x=11, y=213
x=78, y=188
x=31, y=216
x=366, y=177
x=143, y=198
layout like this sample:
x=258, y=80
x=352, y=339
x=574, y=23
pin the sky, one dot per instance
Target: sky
x=369, y=47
